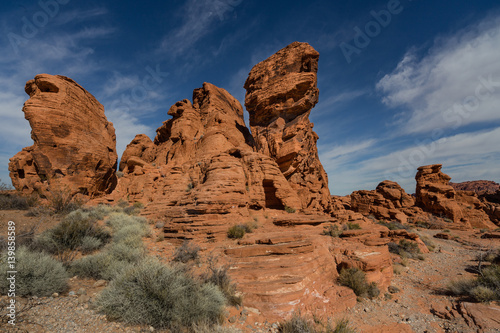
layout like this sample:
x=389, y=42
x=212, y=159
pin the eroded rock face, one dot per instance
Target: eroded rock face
x=434, y=194
x=74, y=144
x=202, y=167
x=281, y=91
x=385, y=203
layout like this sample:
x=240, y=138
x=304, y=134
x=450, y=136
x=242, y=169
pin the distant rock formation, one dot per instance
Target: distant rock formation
x=480, y=187
x=281, y=91
x=385, y=203
x=434, y=194
x=74, y=144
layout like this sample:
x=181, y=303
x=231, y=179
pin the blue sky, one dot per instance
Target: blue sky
x=402, y=83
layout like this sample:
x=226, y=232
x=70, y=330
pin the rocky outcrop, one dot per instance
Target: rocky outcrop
x=480, y=187
x=386, y=202
x=281, y=91
x=201, y=172
x=74, y=145
x=434, y=194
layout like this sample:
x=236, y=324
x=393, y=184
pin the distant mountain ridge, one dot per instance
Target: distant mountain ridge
x=481, y=187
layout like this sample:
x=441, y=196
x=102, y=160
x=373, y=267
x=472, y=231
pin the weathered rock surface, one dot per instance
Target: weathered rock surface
x=281, y=91
x=74, y=144
x=201, y=172
x=434, y=194
x=386, y=202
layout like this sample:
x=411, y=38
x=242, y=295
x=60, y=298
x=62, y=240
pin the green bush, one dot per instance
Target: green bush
x=236, y=231
x=355, y=279
x=186, y=252
x=353, y=226
x=154, y=294
x=290, y=210
x=38, y=274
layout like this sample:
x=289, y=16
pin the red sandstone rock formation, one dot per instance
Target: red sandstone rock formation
x=202, y=162
x=434, y=194
x=385, y=203
x=74, y=144
x=281, y=91
x=480, y=187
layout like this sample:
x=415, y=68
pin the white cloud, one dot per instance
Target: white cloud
x=467, y=156
x=127, y=127
x=446, y=87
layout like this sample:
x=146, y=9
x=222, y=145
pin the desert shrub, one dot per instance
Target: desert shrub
x=462, y=286
x=484, y=288
x=218, y=275
x=62, y=201
x=484, y=294
x=17, y=200
x=109, y=262
x=352, y=226
x=296, y=324
x=405, y=248
x=186, y=252
x=355, y=279
x=125, y=249
x=38, y=274
x=90, y=244
x=161, y=296
x=290, y=210
x=394, y=225
x=119, y=220
x=332, y=230
x=422, y=224
x=236, y=231
x=67, y=237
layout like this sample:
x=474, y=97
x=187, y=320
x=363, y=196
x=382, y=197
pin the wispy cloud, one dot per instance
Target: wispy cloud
x=456, y=84
x=198, y=19
x=470, y=156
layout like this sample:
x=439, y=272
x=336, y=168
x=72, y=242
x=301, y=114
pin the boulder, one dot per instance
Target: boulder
x=74, y=144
